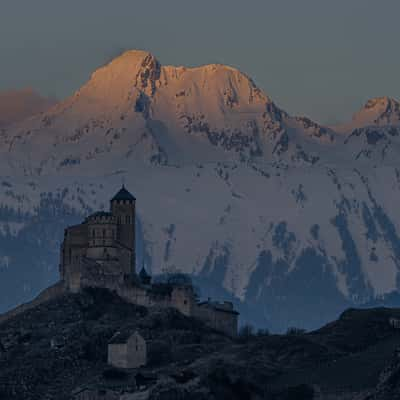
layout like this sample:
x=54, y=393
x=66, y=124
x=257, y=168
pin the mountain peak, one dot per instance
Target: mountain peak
x=128, y=63
x=129, y=58
x=379, y=103
x=379, y=111
x=117, y=79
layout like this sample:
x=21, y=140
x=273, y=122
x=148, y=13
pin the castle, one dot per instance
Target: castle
x=104, y=239
x=100, y=252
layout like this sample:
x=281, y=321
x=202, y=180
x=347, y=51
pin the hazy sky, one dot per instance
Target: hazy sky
x=321, y=58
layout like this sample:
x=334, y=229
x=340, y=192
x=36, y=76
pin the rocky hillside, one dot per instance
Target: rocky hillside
x=293, y=221
x=59, y=349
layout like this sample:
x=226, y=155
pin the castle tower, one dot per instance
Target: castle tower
x=123, y=209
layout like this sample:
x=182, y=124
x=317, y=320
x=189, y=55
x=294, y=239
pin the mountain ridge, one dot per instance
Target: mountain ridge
x=273, y=210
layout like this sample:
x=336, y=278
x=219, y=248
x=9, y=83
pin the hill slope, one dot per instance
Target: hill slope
x=60, y=348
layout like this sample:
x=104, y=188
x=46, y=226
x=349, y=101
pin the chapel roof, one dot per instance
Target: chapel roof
x=122, y=337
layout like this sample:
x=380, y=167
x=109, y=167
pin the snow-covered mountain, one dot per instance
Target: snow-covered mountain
x=373, y=135
x=381, y=111
x=291, y=219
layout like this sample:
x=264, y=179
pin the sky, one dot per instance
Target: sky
x=319, y=58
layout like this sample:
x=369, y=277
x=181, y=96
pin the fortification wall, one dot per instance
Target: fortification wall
x=220, y=320
x=182, y=298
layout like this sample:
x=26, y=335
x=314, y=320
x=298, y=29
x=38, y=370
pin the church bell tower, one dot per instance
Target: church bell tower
x=122, y=207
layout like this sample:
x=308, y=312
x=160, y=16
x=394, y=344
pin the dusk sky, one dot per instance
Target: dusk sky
x=320, y=58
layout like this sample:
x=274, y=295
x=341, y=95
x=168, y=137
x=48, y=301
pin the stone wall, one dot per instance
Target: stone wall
x=137, y=351
x=117, y=355
x=126, y=259
x=111, y=275
x=73, y=248
x=102, y=233
x=182, y=298
x=225, y=321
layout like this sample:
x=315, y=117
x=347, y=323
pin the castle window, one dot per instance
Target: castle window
x=104, y=232
x=93, y=233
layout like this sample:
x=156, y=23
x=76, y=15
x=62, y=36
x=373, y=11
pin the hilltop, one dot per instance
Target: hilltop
x=60, y=348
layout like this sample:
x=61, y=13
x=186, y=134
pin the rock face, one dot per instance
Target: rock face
x=58, y=350
x=291, y=220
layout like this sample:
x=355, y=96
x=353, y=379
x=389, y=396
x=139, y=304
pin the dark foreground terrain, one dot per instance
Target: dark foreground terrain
x=58, y=350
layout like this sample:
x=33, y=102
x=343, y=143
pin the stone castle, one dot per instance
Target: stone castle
x=105, y=240
x=100, y=252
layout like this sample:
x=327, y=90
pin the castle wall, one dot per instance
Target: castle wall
x=73, y=277
x=182, y=298
x=102, y=231
x=136, y=295
x=72, y=250
x=126, y=258
x=225, y=321
x=77, y=235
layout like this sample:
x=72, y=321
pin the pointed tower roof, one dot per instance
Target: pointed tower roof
x=143, y=273
x=124, y=194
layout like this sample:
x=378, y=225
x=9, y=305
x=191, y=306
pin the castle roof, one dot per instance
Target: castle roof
x=100, y=214
x=124, y=194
